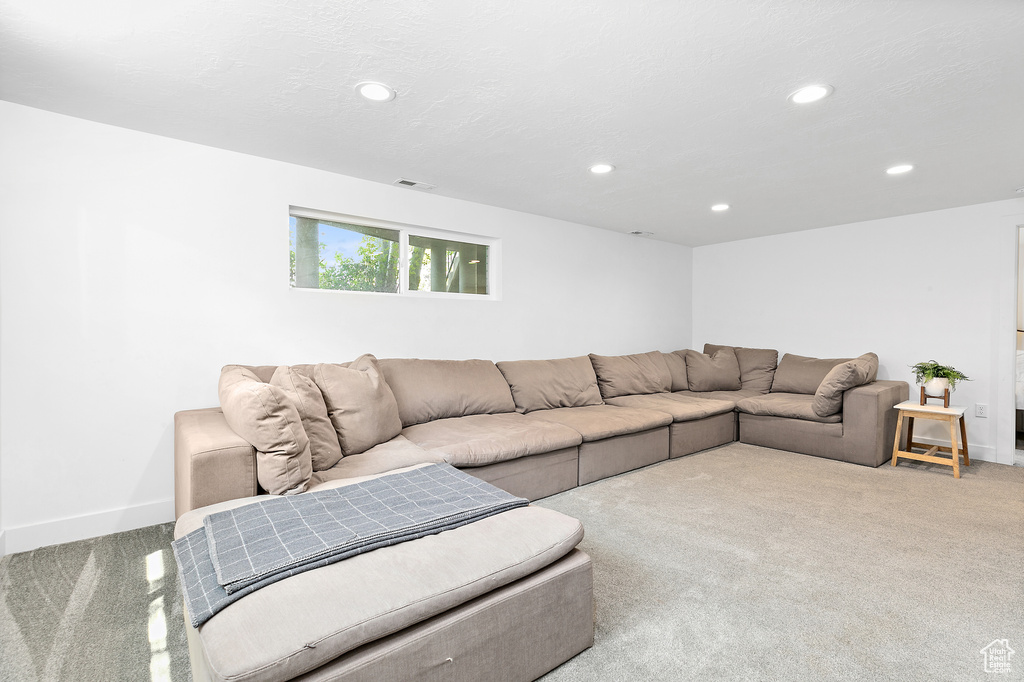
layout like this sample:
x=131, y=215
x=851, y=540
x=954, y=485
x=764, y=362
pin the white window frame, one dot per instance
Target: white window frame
x=493, y=245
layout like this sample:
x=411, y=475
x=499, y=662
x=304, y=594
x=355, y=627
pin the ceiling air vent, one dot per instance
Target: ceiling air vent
x=405, y=182
x=641, y=233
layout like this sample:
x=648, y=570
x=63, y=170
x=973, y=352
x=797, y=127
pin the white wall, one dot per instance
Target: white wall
x=132, y=267
x=874, y=286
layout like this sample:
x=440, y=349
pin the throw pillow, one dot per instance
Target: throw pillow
x=828, y=399
x=676, y=361
x=427, y=390
x=263, y=415
x=798, y=374
x=757, y=365
x=718, y=372
x=631, y=374
x=360, y=404
x=304, y=393
x=547, y=384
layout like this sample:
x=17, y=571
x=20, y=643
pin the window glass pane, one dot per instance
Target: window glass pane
x=333, y=255
x=446, y=265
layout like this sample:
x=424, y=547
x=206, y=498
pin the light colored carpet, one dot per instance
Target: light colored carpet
x=749, y=563
x=735, y=563
x=101, y=609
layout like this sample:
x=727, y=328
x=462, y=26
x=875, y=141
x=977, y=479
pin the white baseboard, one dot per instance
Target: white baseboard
x=984, y=453
x=34, y=536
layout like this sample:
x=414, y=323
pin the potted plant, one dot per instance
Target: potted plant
x=937, y=378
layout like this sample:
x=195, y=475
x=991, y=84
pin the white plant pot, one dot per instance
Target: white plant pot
x=936, y=387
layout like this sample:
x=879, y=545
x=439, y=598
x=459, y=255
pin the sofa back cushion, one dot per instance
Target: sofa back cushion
x=547, y=384
x=828, y=399
x=300, y=388
x=360, y=404
x=676, y=362
x=631, y=374
x=757, y=365
x=437, y=389
x=799, y=374
x=263, y=415
x=718, y=372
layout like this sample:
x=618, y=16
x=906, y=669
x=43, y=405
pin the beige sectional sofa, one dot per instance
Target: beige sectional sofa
x=531, y=427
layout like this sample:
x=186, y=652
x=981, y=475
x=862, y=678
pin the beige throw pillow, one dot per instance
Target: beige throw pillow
x=828, y=399
x=632, y=374
x=263, y=415
x=757, y=365
x=718, y=372
x=799, y=374
x=676, y=361
x=323, y=440
x=360, y=404
x=427, y=390
x=547, y=384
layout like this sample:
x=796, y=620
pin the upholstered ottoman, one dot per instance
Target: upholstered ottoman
x=508, y=597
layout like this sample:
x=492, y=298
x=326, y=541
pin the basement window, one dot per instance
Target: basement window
x=344, y=253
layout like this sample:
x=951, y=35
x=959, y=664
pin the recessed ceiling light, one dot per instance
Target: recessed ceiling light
x=375, y=92
x=811, y=93
x=896, y=170
x=720, y=207
x=601, y=168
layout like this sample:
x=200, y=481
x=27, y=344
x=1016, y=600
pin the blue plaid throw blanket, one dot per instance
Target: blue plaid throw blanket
x=241, y=550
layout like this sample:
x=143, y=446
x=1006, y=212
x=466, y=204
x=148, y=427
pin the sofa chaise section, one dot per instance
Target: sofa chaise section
x=509, y=592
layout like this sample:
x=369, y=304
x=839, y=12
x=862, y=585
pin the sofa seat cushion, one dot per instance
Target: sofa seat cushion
x=397, y=453
x=732, y=397
x=682, y=408
x=479, y=439
x=790, y=405
x=298, y=624
x=598, y=422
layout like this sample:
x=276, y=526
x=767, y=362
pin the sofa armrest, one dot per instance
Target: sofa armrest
x=211, y=462
x=869, y=422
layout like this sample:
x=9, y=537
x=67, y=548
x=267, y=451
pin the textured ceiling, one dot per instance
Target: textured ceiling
x=508, y=102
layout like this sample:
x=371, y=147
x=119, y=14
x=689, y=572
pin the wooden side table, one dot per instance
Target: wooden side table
x=910, y=409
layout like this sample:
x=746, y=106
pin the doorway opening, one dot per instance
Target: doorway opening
x=1018, y=452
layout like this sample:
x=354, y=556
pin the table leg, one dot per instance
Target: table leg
x=953, y=446
x=963, y=439
x=910, y=433
x=896, y=445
